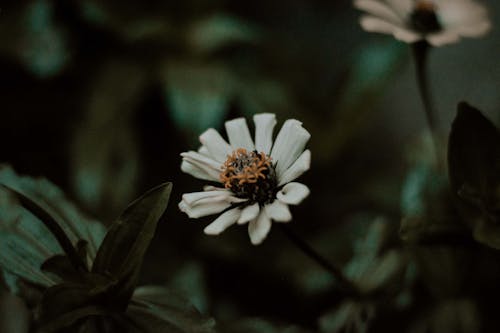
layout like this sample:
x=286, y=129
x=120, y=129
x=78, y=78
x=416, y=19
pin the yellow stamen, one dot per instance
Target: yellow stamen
x=242, y=167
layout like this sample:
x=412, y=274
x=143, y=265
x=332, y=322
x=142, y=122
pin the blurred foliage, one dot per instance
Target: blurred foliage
x=86, y=276
x=102, y=96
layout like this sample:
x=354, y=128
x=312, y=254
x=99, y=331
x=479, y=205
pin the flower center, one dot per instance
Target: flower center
x=250, y=175
x=424, y=18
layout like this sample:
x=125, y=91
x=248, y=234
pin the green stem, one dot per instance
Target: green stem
x=420, y=52
x=345, y=284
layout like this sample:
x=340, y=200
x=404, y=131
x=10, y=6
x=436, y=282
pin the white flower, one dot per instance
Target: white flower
x=439, y=22
x=256, y=176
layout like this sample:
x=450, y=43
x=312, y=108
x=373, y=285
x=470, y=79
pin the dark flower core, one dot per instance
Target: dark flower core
x=250, y=175
x=424, y=18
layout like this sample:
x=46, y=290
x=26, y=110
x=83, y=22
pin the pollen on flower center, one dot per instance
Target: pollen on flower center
x=424, y=18
x=250, y=174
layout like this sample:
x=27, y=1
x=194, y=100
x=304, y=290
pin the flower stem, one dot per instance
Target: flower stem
x=420, y=52
x=345, y=284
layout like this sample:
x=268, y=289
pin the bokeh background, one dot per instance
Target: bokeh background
x=101, y=97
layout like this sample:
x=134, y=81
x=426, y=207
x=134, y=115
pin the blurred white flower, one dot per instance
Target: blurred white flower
x=256, y=176
x=439, y=22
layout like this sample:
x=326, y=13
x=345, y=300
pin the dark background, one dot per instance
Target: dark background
x=102, y=97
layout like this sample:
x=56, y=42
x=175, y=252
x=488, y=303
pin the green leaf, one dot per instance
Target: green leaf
x=474, y=172
x=121, y=253
x=350, y=316
x=61, y=266
x=65, y=303
x=259, y=325
x=370, y=268
x=70, y=320
x=156, y=309
x=52, y=225
x=25, y=241
x=426, y=206
x=15, y=317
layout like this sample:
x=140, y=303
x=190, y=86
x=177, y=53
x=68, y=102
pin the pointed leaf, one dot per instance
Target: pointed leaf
x=157, y=309
x=124, y=246
x=474, y=155
x=474, y=172
x=25, y=241
x=61, y=266
x=62, y=299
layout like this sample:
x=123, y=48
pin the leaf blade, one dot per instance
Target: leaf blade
x=120, y=255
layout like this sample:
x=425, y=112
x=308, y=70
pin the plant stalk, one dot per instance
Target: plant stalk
x=420, y=53
x=345, y=284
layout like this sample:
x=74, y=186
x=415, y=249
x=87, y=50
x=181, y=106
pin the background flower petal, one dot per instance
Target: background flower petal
x=379, y=9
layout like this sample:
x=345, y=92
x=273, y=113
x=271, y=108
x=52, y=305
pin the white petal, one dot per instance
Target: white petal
x=475, y=29
x=379, y=9
x=208, y=165
x=205, y=197
x=223, y=222
x=443, y=38
x=278, y=211
x=301, y=165
x=216, y=145
x=239, y=134
x=259, y=228
x=206, y=209
x=465, y=17
x=213, y=188
x=264, y=126
x=293, y=193
x=204, y=151
x=289, y=144
x=402, y=7
x=375, y=24
x=197, y=172
x=249, y=213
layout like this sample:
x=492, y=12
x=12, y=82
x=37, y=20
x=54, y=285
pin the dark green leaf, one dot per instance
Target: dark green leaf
x=15, y=317
x=259, y=325
x=350, y=316
x=25, y=241
x=71, y=318
x=426, y=205
x=370, y=268
x=52, y=225
x=125, y=244
x=474, y=172
x=156, y=309
x=64, y=301
x=61, y=266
